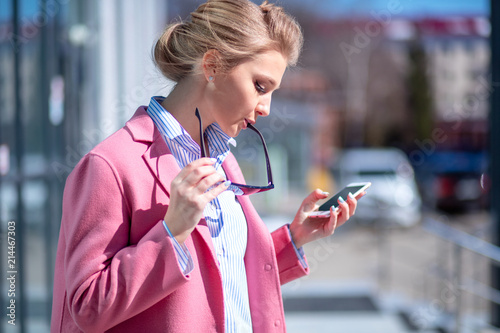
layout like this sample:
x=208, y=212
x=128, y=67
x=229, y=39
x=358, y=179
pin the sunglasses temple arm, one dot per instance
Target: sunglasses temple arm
x=268, y=164
x=202, y=143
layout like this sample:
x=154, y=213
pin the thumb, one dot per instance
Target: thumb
x=310, y=201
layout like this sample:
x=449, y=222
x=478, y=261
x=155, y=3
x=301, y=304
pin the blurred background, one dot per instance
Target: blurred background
x=396, y=92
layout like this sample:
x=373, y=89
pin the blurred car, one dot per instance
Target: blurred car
x=393, y=198
x=459, y=183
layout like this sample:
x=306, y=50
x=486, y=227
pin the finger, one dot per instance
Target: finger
x=204, y=161
x=332, y=223
x=316, y=195
x=201, y=162
x=214, y=192
x=310, y=201
x=198, y=174
x=208, y=182
x=344, y=209
x=321, y=194
x=362, y=194
x=353, y=203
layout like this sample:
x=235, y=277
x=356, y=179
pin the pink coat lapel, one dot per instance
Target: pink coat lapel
x=161, y=162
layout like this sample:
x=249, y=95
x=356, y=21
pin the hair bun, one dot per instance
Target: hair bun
x=238, y=29
x=168, y=52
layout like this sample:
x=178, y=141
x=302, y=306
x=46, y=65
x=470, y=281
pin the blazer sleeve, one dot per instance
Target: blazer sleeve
x=289, y=264
x=107, y=279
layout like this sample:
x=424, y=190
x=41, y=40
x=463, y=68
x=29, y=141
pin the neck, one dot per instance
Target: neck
x=182, y=102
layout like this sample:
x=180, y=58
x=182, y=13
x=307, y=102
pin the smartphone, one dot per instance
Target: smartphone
x=353, y=188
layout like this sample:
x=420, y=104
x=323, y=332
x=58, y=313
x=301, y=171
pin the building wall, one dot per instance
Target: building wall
x=458, y=68
x=122, y=75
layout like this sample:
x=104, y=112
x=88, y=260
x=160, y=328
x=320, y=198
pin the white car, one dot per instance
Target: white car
x=393, y=198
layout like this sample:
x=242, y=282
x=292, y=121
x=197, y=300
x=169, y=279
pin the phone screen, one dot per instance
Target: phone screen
x=333, y=201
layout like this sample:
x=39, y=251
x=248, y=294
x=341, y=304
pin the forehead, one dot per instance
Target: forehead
x=269, y=63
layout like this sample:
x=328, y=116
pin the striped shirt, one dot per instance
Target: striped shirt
x=224, y=216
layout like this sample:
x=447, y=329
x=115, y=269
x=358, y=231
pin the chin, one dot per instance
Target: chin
x=232, y=131
x=236, y=132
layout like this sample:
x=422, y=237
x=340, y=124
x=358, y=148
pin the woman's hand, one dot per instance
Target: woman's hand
x=189, y=196
x=306, y=229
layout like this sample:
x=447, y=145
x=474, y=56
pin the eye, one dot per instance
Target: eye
x=259, y=88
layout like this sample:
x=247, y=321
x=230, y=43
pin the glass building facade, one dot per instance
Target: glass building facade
x=71, y=73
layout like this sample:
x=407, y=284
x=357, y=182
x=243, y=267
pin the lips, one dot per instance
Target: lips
x=249, y=122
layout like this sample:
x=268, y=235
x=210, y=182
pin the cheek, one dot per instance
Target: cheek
x=237, y=97
x=240, y=101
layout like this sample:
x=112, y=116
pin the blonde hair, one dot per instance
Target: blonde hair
x=237, y=29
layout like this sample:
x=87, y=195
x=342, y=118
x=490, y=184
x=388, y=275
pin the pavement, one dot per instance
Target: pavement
x=327, y=306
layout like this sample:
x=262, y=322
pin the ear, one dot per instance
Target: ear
x=211, y=63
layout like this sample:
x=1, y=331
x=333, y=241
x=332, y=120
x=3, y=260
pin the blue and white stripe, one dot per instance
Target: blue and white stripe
x=224, y=215
x=185, y=260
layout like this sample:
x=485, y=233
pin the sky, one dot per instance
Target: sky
x=407, y=8
x=337, y=8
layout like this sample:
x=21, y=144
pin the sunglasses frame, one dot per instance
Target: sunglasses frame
x=244, y=188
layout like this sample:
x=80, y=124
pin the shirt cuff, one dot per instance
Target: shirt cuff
x=299, y=251
x=183, y=255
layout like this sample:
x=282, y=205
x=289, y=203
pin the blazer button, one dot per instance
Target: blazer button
x=268, y=267
x=277, y=323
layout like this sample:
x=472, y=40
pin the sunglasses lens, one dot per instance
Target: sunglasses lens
x=240, y=189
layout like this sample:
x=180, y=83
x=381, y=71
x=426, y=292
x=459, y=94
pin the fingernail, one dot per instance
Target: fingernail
x=341, y=200
x=334, y=207
x=213, y=160
x=325, y=193
x=227, y=183
x=350, y=195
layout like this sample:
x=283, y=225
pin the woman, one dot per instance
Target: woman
x=154, y=237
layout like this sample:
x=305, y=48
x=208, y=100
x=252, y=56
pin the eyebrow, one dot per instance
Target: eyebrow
x=271, y=81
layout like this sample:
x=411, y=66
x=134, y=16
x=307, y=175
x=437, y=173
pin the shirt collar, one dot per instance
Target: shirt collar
x=171, y=129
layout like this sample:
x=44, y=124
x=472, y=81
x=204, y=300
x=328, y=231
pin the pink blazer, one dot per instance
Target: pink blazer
x=116, y=268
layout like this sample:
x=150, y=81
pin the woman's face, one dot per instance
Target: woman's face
x=243, y=94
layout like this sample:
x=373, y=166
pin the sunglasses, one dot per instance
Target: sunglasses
x=243, y=188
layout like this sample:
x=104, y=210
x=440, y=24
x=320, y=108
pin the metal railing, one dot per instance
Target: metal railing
x=461, y=241
x=453, y=275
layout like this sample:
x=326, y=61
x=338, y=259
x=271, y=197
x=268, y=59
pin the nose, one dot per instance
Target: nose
x=263, y=107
